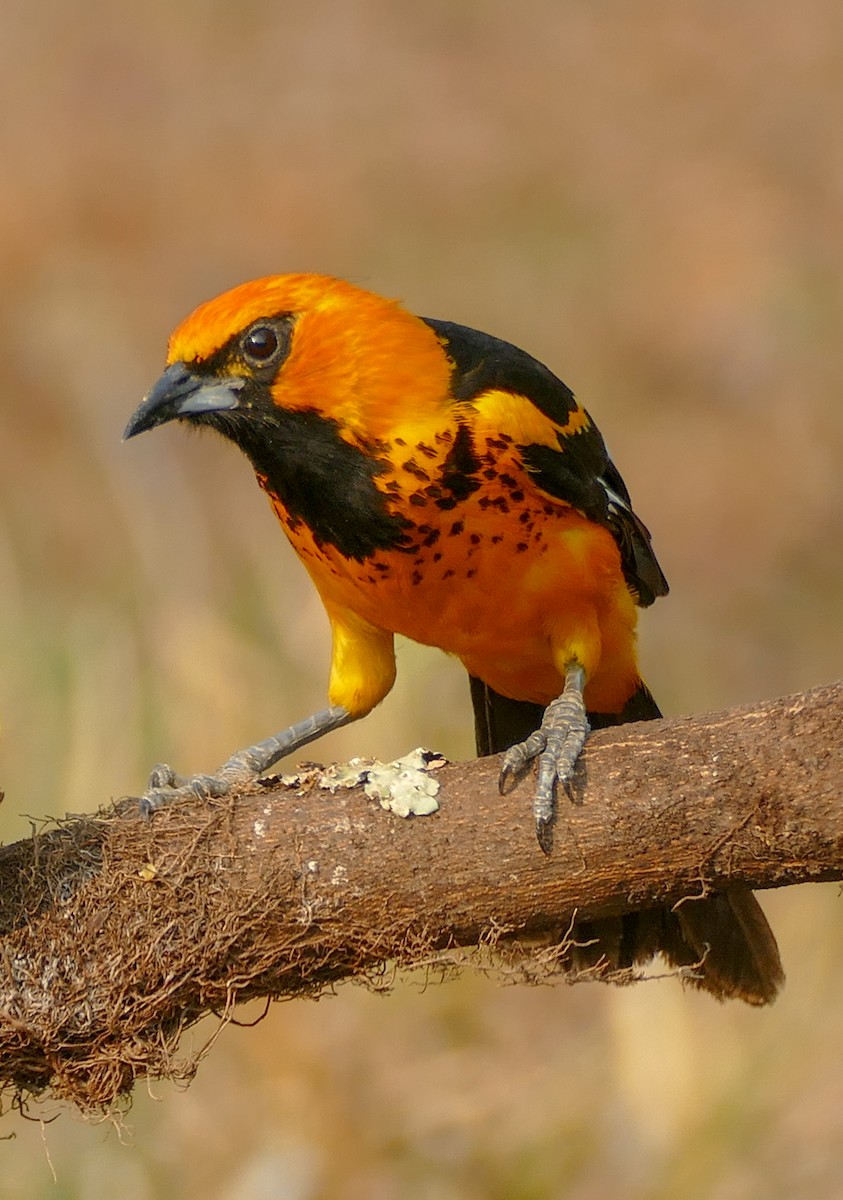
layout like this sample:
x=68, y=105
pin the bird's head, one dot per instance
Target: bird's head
x=306, y=343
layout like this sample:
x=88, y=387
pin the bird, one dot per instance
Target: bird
x=441, y=483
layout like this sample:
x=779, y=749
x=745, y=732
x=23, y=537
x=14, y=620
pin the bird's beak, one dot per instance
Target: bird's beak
x=179, y=393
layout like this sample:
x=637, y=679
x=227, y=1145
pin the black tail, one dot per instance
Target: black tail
x=723, y=939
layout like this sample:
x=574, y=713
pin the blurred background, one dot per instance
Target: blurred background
x=648, y=198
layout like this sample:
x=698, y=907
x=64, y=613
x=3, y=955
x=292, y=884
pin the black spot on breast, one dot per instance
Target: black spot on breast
x=498, y=502
x=460, y=466
x=413, y=468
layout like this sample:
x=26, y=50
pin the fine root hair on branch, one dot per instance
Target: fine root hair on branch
x=118, y=934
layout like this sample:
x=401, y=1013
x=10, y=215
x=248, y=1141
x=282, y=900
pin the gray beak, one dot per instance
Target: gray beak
x=178, y=393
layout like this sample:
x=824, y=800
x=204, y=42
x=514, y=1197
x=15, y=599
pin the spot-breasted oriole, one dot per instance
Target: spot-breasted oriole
x=443, y=484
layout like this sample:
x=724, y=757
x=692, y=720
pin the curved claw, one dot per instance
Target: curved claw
x=545, y=786
x=544, y=835
x=507, y=778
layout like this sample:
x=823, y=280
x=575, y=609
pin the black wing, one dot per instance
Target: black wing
x=579, y=471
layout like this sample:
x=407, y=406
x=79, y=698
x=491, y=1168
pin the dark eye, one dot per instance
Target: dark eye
x=260, y=344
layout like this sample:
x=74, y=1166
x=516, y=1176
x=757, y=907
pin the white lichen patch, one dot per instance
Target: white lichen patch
x=404, y=787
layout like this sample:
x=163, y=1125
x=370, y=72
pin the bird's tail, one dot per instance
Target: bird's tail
x=723, y=941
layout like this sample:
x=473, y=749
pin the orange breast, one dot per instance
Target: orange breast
x=509, y=580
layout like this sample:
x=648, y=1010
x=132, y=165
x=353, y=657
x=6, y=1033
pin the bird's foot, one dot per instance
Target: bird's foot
x=243, y=768
x=166, y=787
x=556, y=745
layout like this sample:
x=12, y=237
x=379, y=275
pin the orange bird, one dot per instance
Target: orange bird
x=440, y=483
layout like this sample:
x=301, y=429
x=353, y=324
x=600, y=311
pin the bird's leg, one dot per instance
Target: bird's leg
x=243, y=767
x=556, y=744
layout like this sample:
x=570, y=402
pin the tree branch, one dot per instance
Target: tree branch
x=118, y=933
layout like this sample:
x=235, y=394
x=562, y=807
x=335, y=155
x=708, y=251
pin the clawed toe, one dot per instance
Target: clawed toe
x=166, y=787
x=243, y=768
x=518, y=758
x=556, y=745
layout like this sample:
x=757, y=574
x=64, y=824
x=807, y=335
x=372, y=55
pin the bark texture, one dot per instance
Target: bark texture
x=117, y=933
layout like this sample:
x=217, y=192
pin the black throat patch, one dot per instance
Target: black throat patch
x=320, y=479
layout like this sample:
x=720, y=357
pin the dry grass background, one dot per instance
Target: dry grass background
x=648, y=198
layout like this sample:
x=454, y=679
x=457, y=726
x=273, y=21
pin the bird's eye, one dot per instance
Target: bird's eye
x=260, y=344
